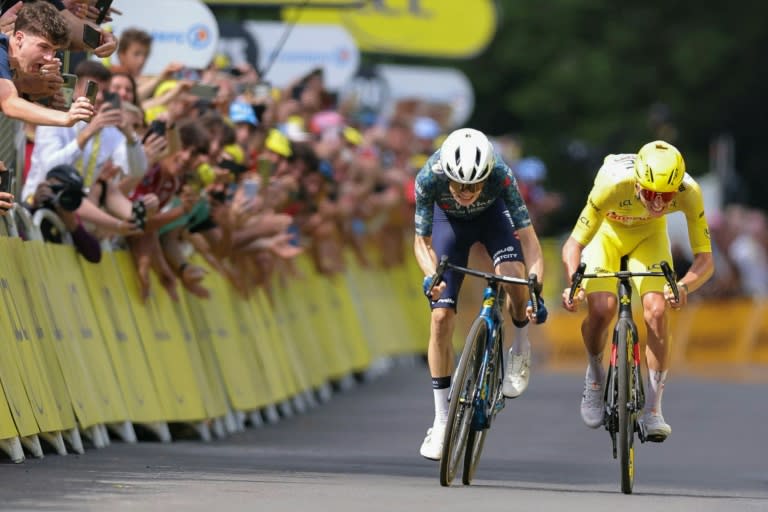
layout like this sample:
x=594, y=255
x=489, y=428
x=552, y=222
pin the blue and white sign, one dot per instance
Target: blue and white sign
x=182, y=31
x=307, y=47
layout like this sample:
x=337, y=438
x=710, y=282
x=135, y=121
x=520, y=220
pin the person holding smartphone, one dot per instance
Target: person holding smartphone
x=107, y=141
x=39, y=31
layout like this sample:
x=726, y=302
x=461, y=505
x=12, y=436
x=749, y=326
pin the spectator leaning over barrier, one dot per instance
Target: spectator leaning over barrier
x=62, y=192
x=107, y=142
x=39, y=30
x=164, y=181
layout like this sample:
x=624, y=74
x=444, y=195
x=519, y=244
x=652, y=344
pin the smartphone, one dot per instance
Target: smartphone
x=91, y=90
x=103, y=7
x=112, y=98
x=68, y=88
x=91, y=36
x=261, y=90
x=5, y=178
x=156, y=126
x=204, y=91
x=250, y=188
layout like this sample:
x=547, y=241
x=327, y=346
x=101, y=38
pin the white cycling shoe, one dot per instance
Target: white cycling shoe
x=592, y=404
x=432, y=447
x=518, y=374
x=656, y=429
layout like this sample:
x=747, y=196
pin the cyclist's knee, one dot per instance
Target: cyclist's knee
x=602, y=308
x=654, y=308
x=443, y=317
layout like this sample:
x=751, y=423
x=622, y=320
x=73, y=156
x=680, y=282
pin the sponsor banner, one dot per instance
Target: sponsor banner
x=436, y=28
x=308, y=47
x=436, y=85
x=182, y=31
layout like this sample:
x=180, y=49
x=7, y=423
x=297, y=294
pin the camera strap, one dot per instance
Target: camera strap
x=87, y=172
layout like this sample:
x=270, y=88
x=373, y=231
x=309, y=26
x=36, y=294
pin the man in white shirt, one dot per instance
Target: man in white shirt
x=107, y=140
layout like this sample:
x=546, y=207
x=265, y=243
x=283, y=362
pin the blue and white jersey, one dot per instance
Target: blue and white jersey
x=432, y=189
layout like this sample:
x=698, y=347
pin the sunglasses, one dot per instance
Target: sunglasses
x=650, y=195
x=466, y=187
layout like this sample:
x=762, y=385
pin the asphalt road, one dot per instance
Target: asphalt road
x=359, y=452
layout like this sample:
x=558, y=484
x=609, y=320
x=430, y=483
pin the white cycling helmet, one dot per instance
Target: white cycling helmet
x=467, y=156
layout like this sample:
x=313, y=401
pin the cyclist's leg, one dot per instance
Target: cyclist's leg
x=503, y=246
x=601, y=254
x=647, y=256
x=448, y=238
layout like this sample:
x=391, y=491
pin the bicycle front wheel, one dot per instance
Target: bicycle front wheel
x=476, y=438
x=462, y=396
x=626, y=415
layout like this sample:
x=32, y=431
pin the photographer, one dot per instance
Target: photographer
x=62, y=193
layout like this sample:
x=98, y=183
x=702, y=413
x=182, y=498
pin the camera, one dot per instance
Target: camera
x=66, y=197
x=68, y=189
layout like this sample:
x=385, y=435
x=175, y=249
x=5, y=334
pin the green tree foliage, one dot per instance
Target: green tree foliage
x=581, y=78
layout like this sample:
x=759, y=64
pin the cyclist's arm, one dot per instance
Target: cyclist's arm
x=425, y=254
x=534, y=258
x=701, y=270
x=571, y=255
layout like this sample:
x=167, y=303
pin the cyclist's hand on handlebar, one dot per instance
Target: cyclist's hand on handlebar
x=541, y=311
x=436, y=291
x=670, y=297
x=578, y=298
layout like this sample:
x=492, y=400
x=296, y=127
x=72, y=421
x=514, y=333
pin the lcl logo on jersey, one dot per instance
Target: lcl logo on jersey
x=627, y=203
x=584, y=221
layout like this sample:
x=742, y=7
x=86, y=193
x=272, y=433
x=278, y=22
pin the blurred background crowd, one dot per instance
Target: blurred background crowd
x=219, y=161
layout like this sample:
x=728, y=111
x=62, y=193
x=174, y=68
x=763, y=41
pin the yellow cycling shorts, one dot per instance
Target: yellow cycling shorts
x=646, y=247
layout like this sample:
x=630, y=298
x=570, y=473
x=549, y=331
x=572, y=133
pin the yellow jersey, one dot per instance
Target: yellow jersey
x=614, y=204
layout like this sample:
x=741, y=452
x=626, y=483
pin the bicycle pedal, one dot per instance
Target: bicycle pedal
x=655, y=438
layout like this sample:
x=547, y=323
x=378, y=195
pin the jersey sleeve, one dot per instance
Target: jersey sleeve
x=425, y=192
x=511, y=195
x=693, y=208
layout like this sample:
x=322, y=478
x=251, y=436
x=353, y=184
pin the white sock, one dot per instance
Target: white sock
x=441, y=405
x=656, y=380
x=595, y=368
x=520, y=341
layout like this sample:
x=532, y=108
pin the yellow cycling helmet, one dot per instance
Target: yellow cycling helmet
x=659, y=167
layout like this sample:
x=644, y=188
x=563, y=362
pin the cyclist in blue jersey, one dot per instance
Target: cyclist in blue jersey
x=464, y=195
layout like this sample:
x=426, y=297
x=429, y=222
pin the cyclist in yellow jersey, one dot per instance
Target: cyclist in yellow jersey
x=624, y=215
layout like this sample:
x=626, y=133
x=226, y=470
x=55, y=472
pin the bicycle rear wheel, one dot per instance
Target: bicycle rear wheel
x=461, y=408
x=626, y=415
x=476, y=438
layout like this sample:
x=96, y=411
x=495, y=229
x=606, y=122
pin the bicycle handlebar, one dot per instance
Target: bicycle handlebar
x=666, y=272
x=532, y=282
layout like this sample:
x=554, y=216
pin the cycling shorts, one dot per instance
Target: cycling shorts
x=453, y=237
x=646, y=246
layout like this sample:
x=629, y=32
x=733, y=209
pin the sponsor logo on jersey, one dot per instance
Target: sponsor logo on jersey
x=625, y=219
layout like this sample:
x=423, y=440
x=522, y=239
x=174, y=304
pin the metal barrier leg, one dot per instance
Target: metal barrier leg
x=12, y=447
x=55, y=440
x=72, y=436
x=32, y=444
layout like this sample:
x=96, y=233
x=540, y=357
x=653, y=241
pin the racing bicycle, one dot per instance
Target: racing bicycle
x=624, y=391
x=476, y=395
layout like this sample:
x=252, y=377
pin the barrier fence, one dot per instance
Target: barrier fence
x=83, y=356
